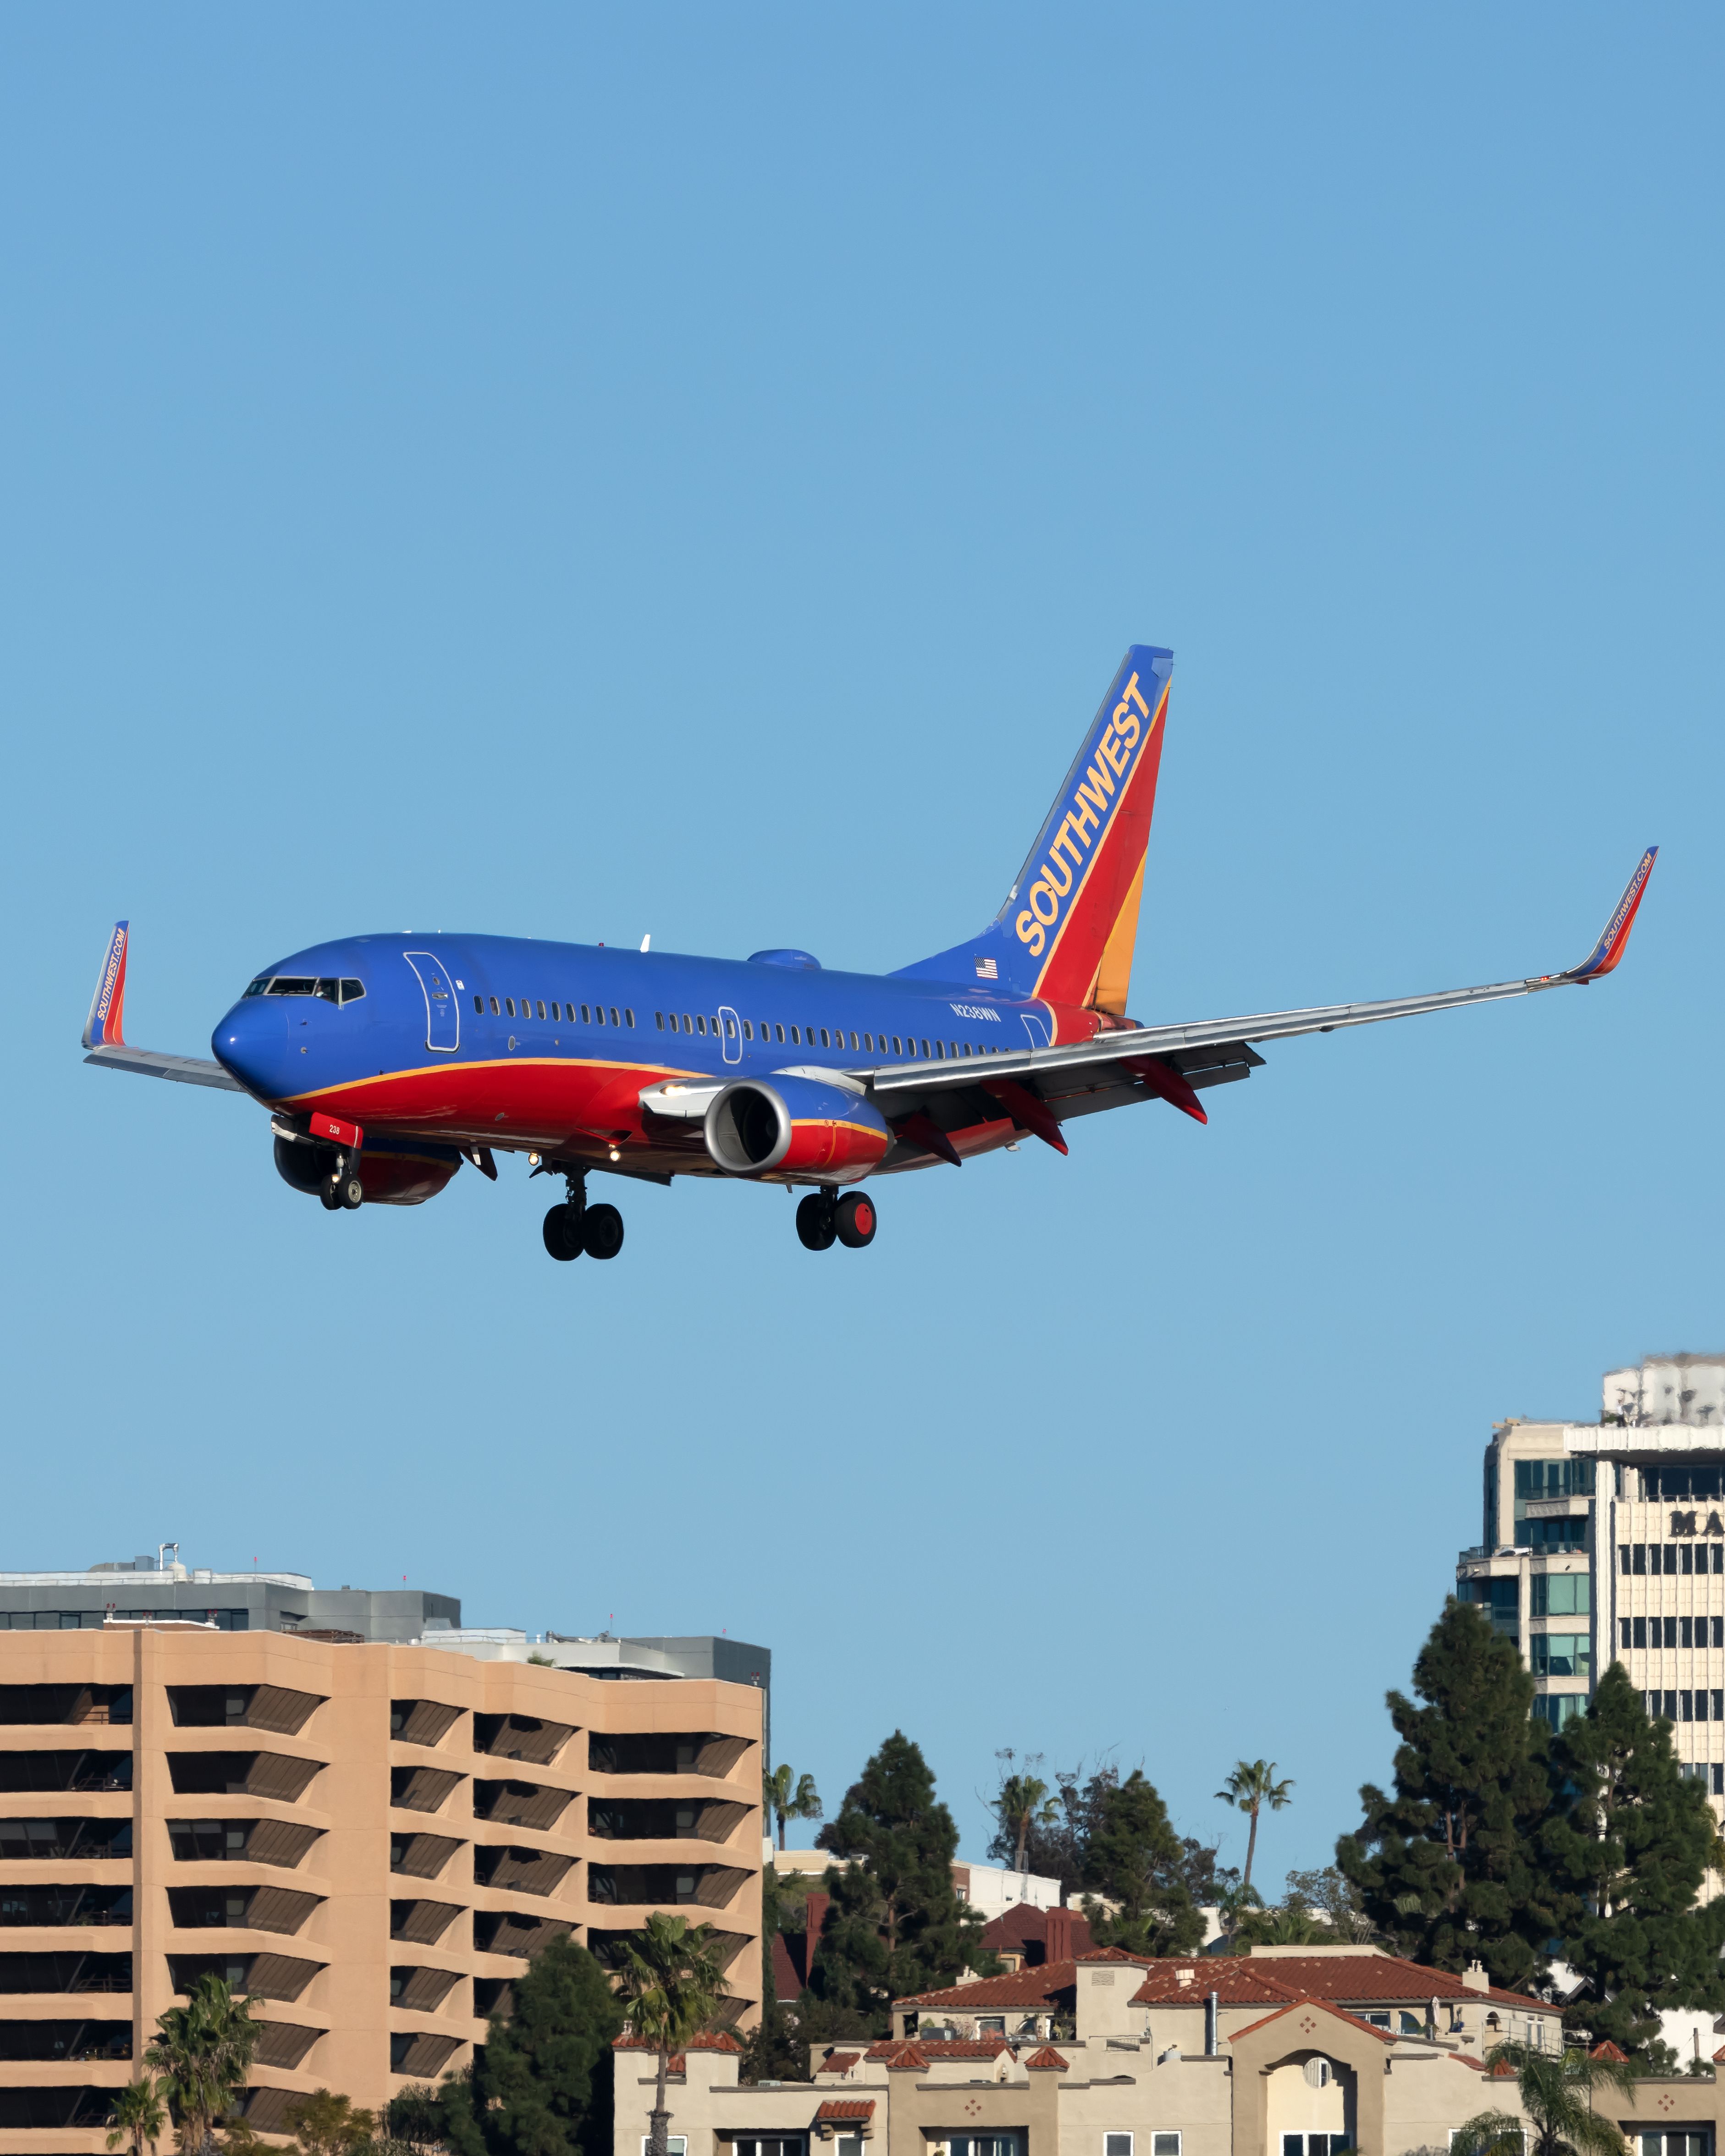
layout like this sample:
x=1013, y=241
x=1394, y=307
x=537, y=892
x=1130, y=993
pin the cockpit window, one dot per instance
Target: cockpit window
x=257, y=987
x=331, y=991
x=351, y=991
x=292, y=984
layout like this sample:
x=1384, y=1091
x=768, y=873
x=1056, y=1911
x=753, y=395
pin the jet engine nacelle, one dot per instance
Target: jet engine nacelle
x=393, y=1172
x=794, y=1125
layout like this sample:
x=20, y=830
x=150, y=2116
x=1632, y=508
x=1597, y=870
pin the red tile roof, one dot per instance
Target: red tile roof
x=1608, y=2050
x=838, y=2062
x=908, y=2059
x=941, y=2047
x=709, y=2041
x=1381, y=1979
x=1503, y=2072
x=1323, y=2006
x=1048, y=2060
x=1028, y=1987
x=845, y=2107
x=1461, y=2058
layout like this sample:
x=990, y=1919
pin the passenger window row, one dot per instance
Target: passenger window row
x=560, y=1014
x=864, y=1043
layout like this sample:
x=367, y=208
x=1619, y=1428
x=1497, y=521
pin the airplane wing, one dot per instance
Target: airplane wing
x=103, y=1037
x=150, y=1063
x=1043, y=1087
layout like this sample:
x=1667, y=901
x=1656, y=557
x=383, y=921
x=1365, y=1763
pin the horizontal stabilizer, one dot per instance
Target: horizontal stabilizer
x=147, y=1063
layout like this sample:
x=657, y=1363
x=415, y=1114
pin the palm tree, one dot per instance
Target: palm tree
x=1251, y=1786
x=139, y=2116
x=1024, y=1802
x=791, y=1796
x=673, y=1982
x=203, y=2053
x=1556, y=2093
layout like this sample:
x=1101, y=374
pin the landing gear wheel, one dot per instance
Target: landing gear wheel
x=563, y=1233
x=815, y=1227
x=602, y=1231
x=854, y=1221
x=350, y=1193
x=328, y=1199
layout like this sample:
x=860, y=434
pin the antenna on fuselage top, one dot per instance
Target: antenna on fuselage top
x=646, y=941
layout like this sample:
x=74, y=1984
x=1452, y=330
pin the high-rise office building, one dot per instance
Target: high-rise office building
x=1605, y=1542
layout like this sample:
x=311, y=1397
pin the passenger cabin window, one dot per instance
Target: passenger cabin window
x=614, y=1014
x=778, y=1035
x=749, y=1030
x=539, y=1008
x=479, y=1006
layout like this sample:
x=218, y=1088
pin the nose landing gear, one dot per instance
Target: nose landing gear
x=850, y=1221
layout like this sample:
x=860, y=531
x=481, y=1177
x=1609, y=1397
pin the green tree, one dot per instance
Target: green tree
x=1251, y=1786
x=1133, y=1857
x=1633, y=1851
x=415, y=2119
x=770, y=2053
x=139, y=2116
x=1448, y=1868
x=895, y=1925
x=542, y=2087
x=328, y=2125
x=791, y=1796
x=1556, y=2093
x=673, y=1984
x=1335, y=1900
x=202, y=2052
x=1022, y=1803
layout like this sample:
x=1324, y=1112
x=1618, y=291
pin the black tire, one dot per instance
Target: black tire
x=854, y=1220
x=602, y=1231
x=327, y=1198
x=563, y=1233
x=815, y=1228
x=350, y=1193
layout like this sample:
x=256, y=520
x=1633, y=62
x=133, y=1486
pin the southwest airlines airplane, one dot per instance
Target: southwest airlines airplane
x=385, y=1061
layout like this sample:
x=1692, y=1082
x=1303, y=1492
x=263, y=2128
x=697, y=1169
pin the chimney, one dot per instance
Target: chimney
x=1475, y=1978
x=1057, y=1934
x=817, y=1907
x=1210, y=2024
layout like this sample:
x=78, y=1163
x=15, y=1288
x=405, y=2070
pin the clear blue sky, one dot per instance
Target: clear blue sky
x=578, y=473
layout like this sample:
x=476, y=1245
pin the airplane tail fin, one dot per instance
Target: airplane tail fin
x=102, y=1028
x=1067, y=929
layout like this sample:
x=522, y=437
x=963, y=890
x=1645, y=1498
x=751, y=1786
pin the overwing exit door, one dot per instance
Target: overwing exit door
x=442, y=1013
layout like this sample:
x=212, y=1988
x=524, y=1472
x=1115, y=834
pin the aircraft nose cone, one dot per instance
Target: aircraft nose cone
x=251, y=1043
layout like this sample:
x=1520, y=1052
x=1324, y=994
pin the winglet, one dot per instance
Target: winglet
x=102, y=1028
x=1612, y=944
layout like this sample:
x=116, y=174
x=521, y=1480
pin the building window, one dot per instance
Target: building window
x=1164, y=2144
x=1568, y=1534
x=771, y=2144
x=1116, y=2145
x=1558, y=1709
x=1554, y=1478
x=1561, y=1594
x=991, y=2024
x=1562, y=1655
x=1499, y=1599
x=983, y=2144
x=1314, y=2144
x=677, y=2144
x=1660, y=1706
x=1691, y=2142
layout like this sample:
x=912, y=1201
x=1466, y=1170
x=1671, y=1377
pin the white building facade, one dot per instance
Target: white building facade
x=1605, y=1542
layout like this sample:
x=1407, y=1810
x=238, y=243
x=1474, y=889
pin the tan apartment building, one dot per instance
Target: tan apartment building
x=370, y=1838
x=1285, y=2052
x=1605, y=1542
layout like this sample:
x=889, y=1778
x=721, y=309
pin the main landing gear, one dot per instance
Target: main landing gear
x=821, y=1221
x=577, y=1226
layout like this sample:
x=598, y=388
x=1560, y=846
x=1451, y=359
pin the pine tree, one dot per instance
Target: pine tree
x=1448, y=1868
x=543, y=2086
x=895, y=1925
x=1632, y=1852
x=1134, y=1857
